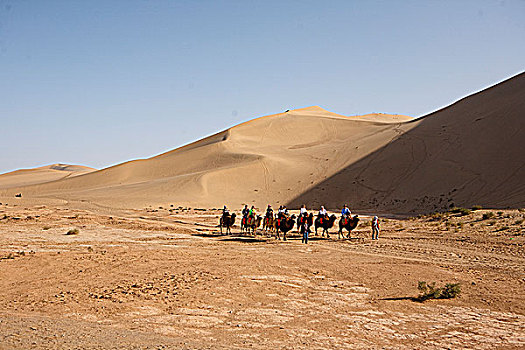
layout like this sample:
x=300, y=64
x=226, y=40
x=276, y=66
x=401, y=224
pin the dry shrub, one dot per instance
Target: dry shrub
x=429, y=291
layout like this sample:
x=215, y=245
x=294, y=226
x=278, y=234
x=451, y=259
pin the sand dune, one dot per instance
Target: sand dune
x=48, y=173
x=270, y=159
x=471, y=152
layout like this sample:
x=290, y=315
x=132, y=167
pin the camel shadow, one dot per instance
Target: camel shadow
x=243, y=239
x=209, y=235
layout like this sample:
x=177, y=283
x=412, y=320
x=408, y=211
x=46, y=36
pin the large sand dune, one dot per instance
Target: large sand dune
x=471, y=152
x=272, y=159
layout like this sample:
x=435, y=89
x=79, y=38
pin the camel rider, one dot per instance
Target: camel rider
x=245, y=211
x=345, y=212
x=323, y=214
x=269, y=211
x=303, y=211
x=225, y=212
x=252, y=212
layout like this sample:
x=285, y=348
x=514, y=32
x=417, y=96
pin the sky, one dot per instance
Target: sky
x=98, y=83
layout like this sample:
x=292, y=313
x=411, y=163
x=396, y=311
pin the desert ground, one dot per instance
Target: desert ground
x=166, y=278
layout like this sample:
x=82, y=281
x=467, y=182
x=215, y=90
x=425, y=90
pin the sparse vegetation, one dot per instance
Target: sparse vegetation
x=492, y=222
x=462, y=211
x=477, y=207
x=500, y=213
x=45, y=228
x=429, y=291
x=488, y=215
x=73, y=231
x=518, y=222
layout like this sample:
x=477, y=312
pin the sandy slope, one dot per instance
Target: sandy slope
x=470, y=153
x=269, y=159
x=25, y=177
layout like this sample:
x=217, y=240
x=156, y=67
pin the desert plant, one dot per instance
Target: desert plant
x=429, y=291
x=492, y=222
x=73, y=231
x=500, y=213
x=451, y=290
x=488, y=215
x=518, y=222
x=45, y=228
x=477, y=207
x=462, y=211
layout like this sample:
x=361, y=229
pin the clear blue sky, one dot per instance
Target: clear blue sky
x=101, y=82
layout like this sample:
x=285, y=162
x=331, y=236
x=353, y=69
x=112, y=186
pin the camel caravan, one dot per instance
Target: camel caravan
x=281, y=223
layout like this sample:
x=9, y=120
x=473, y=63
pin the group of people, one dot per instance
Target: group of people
x=282, y=213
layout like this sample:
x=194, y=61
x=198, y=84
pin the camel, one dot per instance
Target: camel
x=268, y=224
x=227, y=221
x=347, y=223
x=244, y=224
x=325, y=223
x=251, y=223
x=309, y=221
x=284, y=225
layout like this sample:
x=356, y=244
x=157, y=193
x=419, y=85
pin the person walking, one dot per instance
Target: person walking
x=375, y=228
x=305, y=228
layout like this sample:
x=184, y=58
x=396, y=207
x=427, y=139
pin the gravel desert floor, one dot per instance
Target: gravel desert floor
x=161, y=278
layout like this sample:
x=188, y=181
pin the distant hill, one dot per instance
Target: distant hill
x=48, y=173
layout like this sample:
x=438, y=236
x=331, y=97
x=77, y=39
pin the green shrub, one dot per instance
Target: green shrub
x=429, y=291
x=477, y=207
x=451, y=290
x=73, y=231
x=500, y=213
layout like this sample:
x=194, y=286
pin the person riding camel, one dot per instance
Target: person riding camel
x=245, y=211
x=269, y=212
x=323, y=214
x=225, y=212
x=345, y=212
x=303, y=211
x=251, y=214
